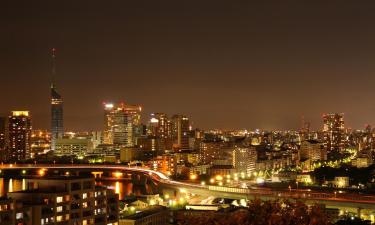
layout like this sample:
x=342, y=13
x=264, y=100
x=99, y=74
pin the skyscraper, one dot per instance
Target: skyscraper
x=120, y=123
x=57, y=118
x=160, y=129
x=333, y=130
x=180, y=132
x=18, y=136
x=159, y=125
x=2, y=138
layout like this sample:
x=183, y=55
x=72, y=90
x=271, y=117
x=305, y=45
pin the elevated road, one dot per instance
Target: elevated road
x=329, y=199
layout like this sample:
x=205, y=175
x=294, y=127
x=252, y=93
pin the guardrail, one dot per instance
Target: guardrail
x=297, y=195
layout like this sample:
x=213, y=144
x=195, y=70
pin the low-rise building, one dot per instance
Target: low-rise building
x=73, y=147
x=155, y=215
x=341, y=182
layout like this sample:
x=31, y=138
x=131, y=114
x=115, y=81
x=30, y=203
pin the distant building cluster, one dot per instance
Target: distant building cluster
x=171, y=145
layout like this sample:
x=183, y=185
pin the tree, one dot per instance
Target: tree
x=261, y=213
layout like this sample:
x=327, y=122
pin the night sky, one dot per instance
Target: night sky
x=225, y=64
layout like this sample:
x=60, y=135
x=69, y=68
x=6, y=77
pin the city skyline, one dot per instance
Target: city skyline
x=224, y=65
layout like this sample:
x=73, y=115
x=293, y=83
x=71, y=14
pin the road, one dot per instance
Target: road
x=355, y=200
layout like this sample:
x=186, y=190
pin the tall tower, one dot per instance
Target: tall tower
x=57, y=119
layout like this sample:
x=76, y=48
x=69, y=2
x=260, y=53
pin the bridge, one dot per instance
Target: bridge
x=331, y=200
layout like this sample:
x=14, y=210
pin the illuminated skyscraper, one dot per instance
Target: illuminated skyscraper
x=57, y=116
x=180, y=132
x=160, y=130
x=2, y=138
x=120, y=123
x=160, y=125
x=333, y=130
x=19, y=136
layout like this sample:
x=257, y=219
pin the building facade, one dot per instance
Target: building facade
x=120, y=124
x=57, y=116
x=18, y=136
x=180, y=132
x=66, y=200
x=312, y=150
x=244, y=159
x=333, y=130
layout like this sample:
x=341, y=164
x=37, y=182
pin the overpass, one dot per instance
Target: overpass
x=331, y=200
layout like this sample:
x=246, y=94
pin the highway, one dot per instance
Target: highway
x=330, y=199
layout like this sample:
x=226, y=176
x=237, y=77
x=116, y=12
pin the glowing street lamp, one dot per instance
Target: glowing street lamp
x=193, y=177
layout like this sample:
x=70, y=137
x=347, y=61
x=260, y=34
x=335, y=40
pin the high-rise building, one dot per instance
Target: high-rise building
x=57, y=118
x=3, y=146
x=180, y=132
x=333, y=130
x=40, y=142
x=244, y=159
x=120, y=124
x=160, y=128
x=18, y=135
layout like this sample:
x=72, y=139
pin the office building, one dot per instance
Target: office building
x=333, y=131
x=244, y=159
x=120, y=124
x=180, y=132
x=159, y=126
x=76, y=146
x=18, y=135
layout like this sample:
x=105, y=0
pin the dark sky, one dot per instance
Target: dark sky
x=226, y=64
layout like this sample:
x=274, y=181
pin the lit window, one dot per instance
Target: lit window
x=59, y=199
x=59, y=209
x=84, y=204
x=84, y=195
x=19, y=216
x=59, y=218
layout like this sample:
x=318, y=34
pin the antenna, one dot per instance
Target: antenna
x=53, y=55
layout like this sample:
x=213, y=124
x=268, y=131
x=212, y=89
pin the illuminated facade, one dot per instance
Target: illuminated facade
x=180, y=132
x=77, y=146
x=312, y=150
x=2, y=137
x=333, y=130
x=120, y=124
x=160, y=129
x=19, y=136
x=244, y=159
x=40, y=142
x=160, y=126
x=67, y=200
